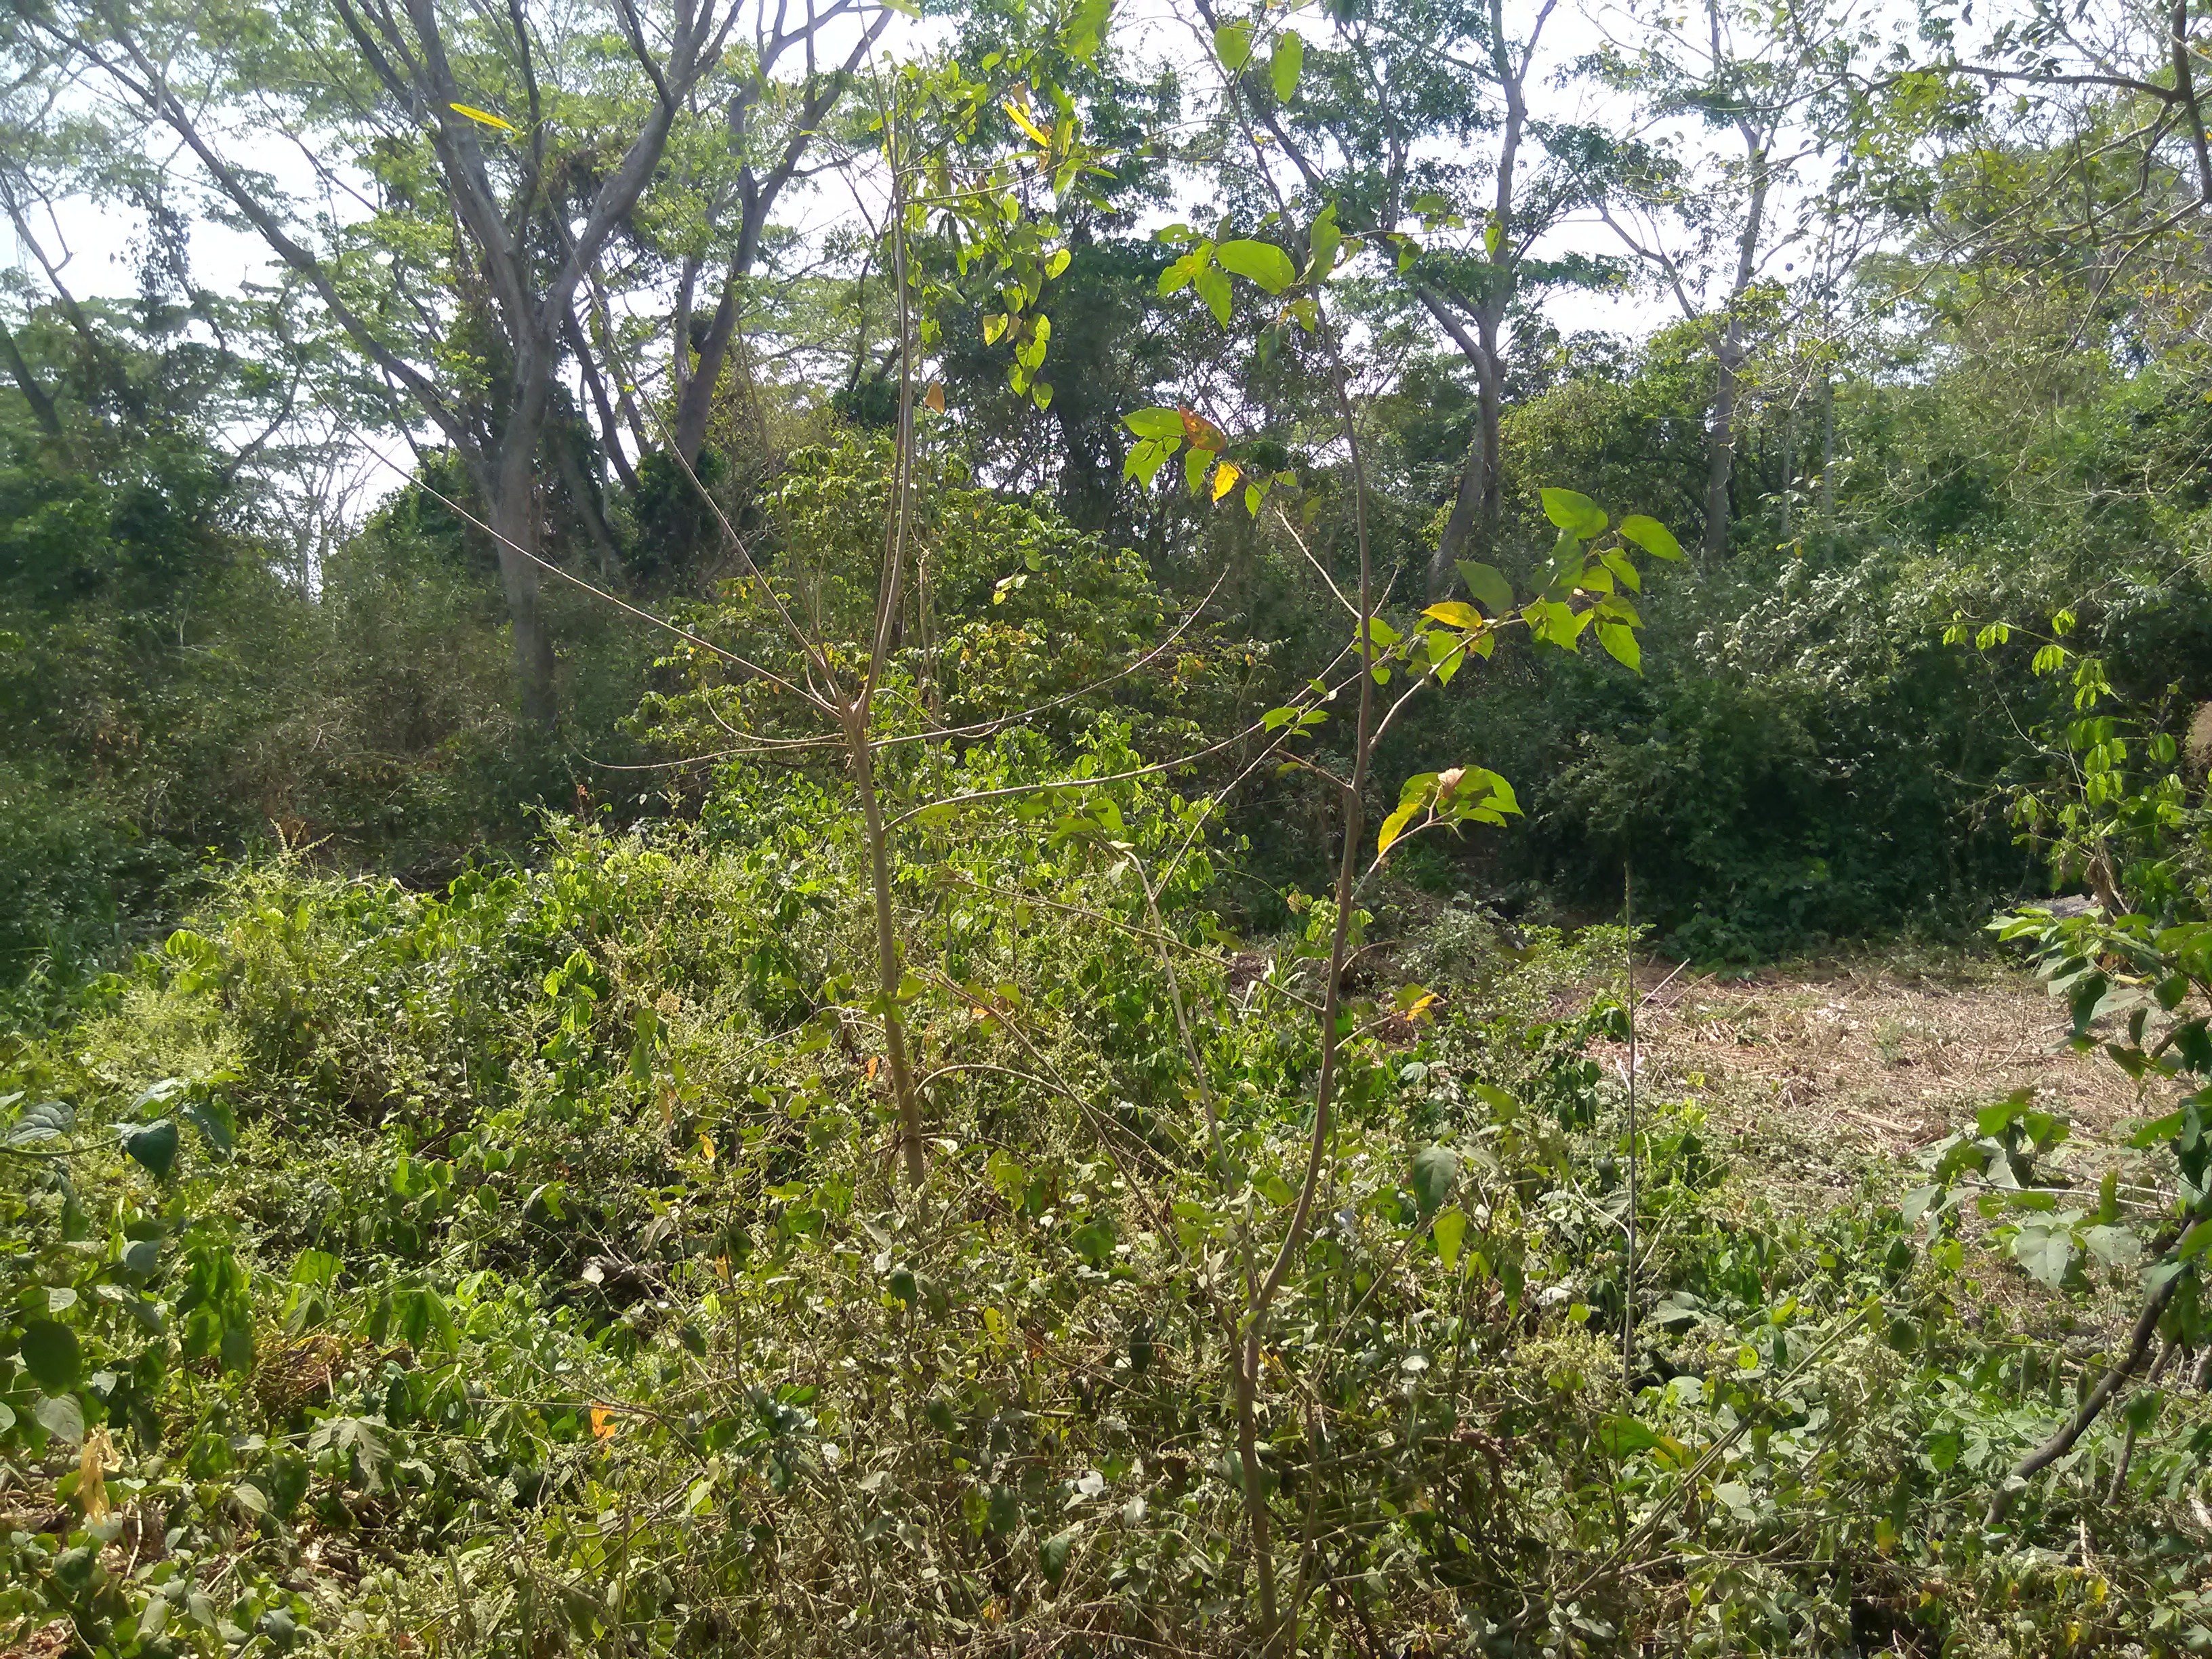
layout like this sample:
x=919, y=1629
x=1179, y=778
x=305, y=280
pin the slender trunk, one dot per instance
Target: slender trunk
x=1788, y=467
x=1721, y=443
x=1827, y=456
x=611, y=448
x=1467, y=507
x=1490, y=384
x=1324, y=1136
x=585, y=501
x=888, y=971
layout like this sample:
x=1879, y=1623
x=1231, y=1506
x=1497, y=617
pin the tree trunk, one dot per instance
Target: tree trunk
x=1467, y=506
x=1827, y=457
x=42, y=406
x=513, y=512
x=697, y=403
x=1477, y=507
x=1721, y=445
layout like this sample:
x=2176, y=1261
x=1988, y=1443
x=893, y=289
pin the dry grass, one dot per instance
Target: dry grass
x=1822, y=1078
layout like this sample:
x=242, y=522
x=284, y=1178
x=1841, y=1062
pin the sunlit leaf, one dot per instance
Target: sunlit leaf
x=1488, y=585
x=1020, y=118
x=482, y=116
x=1651, y=536
x=1283, y=67
x=1261, y=262
x=1574, y=512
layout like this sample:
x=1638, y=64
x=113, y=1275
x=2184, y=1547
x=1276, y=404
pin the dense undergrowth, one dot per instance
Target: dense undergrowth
x=519, y=1268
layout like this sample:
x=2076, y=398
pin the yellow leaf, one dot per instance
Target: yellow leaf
x=92, y=1466
x=1199, y=433
x=706, y=1147
x=1224, y=478
x=483, y=116
x=603, y=1423
x=1454, y=613
x=935, y=396
x=1022, y=120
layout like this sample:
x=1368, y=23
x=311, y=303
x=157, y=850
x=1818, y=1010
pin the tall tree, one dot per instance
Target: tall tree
x=1394, y=83
x=767, y=130
x=1710, y=229
x=457, y=277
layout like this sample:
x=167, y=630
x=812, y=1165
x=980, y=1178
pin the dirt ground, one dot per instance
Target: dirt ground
x=1828, y=1073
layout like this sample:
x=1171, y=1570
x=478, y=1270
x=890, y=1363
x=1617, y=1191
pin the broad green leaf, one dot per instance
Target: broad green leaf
x=2115, y=1247
x=1619, y=639
x=1232, y=44
x=1283, y=68
x=1324, y=241
x=1435, y=1169
x=1054, y=1554
x=2045, y=1248
x=1488, y=585
x=1155, y=422
x=1574, y=512
x=1260, y=262
x=1450, y=1228
x=154, y=1146
x=1058, y=263
x=49, y=1352
x=1213, y=287
x=62, y=1417
x=1454, y=613
x=1622, y=1435
x=1651, y=536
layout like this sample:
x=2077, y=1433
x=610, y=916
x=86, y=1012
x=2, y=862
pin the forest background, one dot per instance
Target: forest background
x=816, y=680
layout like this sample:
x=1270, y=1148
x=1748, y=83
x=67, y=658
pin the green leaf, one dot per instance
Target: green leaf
x=1454, y=613
x=49, y=1352
x=1623, y=1435
x=154, y=1146
x=1058, y=263
x=1916, y=1202
x=62, y=1417
x=1260, y=262
x=1289, y=59
x=1488, y=585
x=1324, y=241
x=1213, y=287
x=1094, y=1242
x=1619, y=639
x=1054, y=1554
x=1651, y=536
x=2115, y=1247
x=1435, y=1169
x=1450, y=1228
x=1232, y=44
x=2045, y=1248
x=1574, y=512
